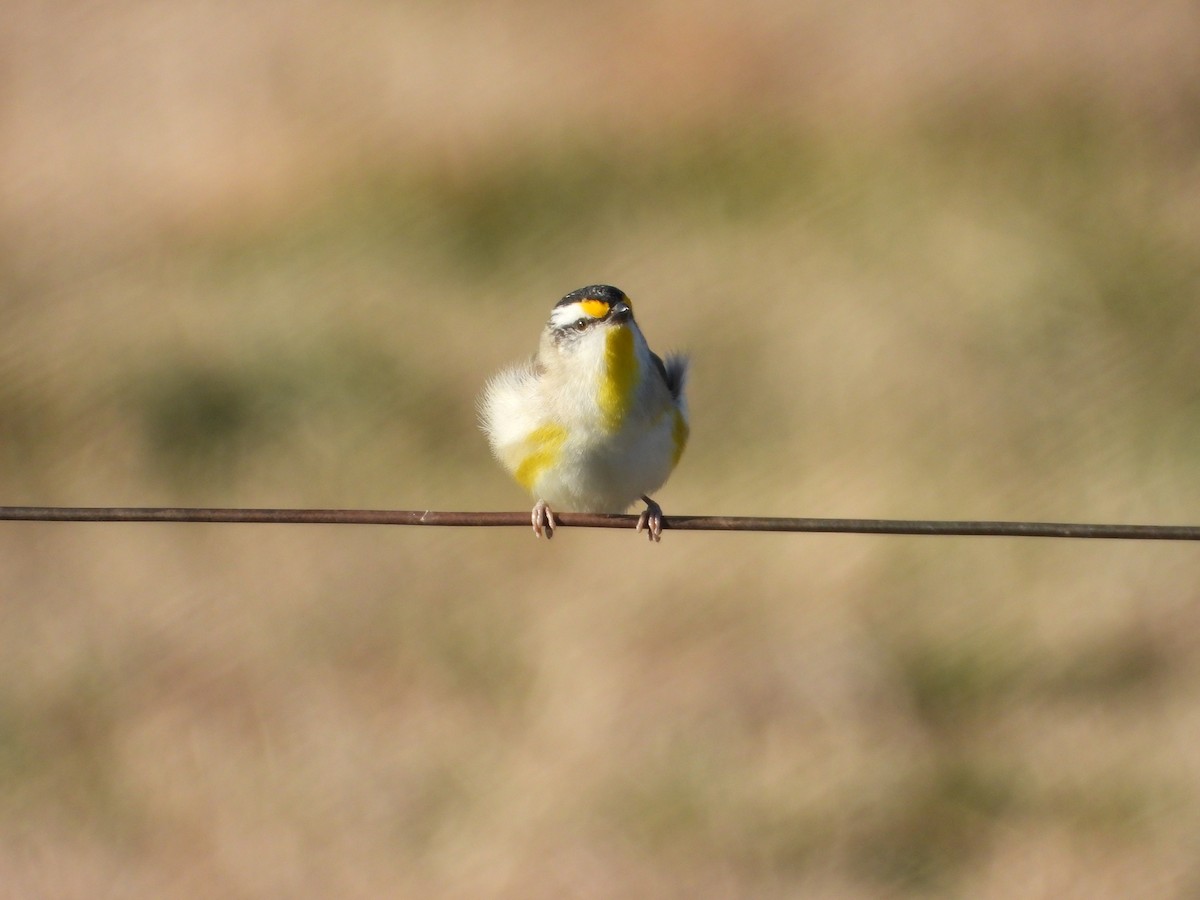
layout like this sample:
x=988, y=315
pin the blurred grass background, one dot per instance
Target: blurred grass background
x=931, y=260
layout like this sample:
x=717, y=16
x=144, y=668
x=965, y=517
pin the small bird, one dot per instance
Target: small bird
x=596, y=420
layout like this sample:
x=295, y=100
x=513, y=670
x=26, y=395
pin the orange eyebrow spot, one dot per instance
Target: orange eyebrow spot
x=597, y=309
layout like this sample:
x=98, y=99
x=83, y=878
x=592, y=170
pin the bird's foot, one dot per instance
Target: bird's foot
x=651, y=519
x=543, y=520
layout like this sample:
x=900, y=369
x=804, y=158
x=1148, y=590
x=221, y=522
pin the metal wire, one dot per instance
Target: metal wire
x=599, y=520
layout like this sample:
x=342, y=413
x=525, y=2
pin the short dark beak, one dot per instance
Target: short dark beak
x=620, y=312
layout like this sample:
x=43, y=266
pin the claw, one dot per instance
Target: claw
x=650, y=520
x=543, y=520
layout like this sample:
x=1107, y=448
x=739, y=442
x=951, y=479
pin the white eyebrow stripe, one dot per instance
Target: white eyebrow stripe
x=564, y=316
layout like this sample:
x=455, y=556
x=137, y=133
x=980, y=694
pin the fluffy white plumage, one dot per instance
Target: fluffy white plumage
x=596, y=421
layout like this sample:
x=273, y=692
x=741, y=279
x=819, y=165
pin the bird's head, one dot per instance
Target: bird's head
x=588, y=314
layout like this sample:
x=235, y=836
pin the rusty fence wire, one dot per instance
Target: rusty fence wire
x=601, y=520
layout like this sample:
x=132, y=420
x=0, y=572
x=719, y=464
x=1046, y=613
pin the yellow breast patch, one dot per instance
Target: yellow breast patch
x=545, y=444
x=619, y=379
x=679, y=434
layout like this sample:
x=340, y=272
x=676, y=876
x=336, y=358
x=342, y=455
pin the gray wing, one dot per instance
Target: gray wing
x=673, y=371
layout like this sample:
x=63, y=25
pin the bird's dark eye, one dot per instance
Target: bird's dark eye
x=581, y=324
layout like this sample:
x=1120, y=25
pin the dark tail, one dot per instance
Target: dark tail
x=674, y=373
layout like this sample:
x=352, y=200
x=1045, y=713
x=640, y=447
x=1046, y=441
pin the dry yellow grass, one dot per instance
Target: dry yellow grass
x=938, y=263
